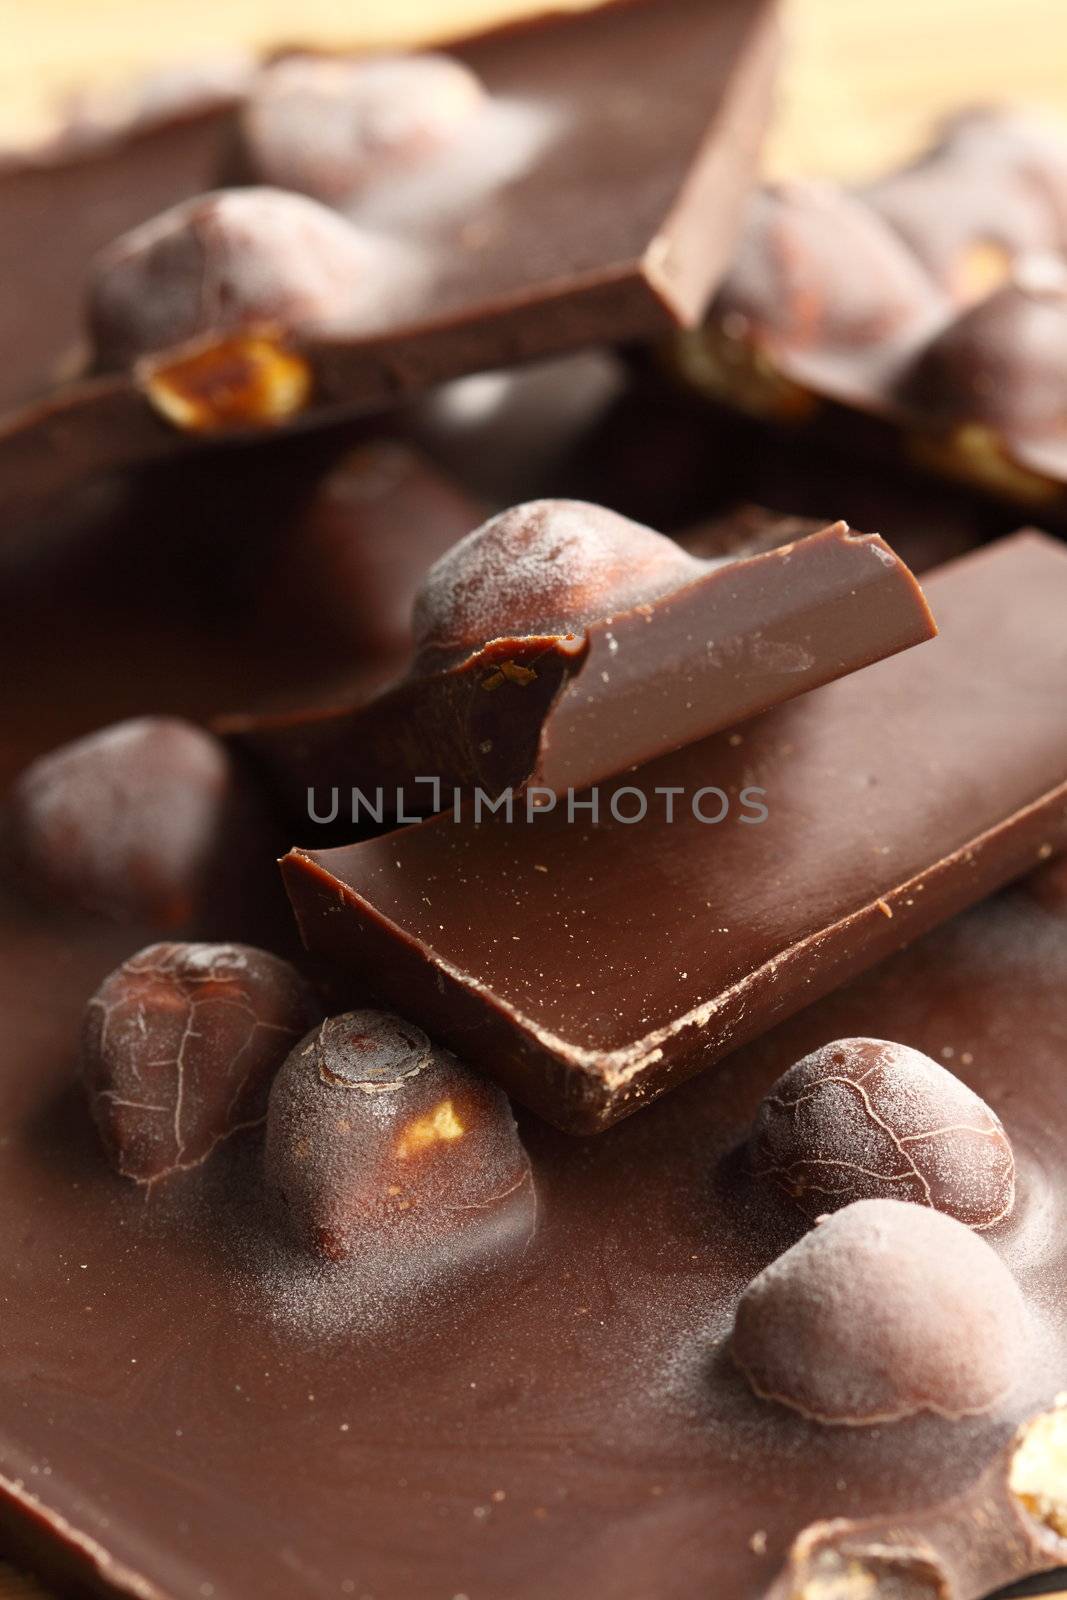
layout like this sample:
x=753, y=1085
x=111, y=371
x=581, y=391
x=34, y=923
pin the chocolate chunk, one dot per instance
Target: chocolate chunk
x=551, y=644
x=179, y=1048
x=223, y=262
x=863, y=1118
x=551, y=221
x=332, y=127
x=756, y=918
x=378, y=1141
x=146, y=821
x=884, y=1310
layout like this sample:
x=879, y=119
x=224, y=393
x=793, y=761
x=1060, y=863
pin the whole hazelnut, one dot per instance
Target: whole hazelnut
x=882, y=1311
x=332, y=126
x=179, y=1047
x=860, y=1119
x=378, y=1141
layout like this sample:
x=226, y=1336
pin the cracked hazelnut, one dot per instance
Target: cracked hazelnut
x=331, y=126
x=179, y=1047
x=248, y=380
x=1037, y=1475
x=378, y=1140
x=860, y=1119
x=884, y=1310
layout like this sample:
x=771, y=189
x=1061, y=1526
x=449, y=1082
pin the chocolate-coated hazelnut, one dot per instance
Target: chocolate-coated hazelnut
x=1002, y=362
x=992, y=190
x=377, y=1140
x=221, y=262
x=860, y=1119
x=179, y=1047
x=136, y=822
x=882, y=1311
x=549, y=567
x=817, y=268
x=331, y=126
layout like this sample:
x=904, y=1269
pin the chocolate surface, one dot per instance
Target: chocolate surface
x=561, y=644
x=574, y=210
x=573, y=1421
x=535, y=948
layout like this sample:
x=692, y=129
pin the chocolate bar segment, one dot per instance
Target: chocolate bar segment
x=591, y=194
x=587, y=645
x=589, y=967
x=924, y=316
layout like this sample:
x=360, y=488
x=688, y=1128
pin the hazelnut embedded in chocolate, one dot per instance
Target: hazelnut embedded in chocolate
x=818, y=268
x=141, y=822
x=331, y=126
x=224, y=261
x=884, y=1310
x=377, y=1140
x=1001, y=363
x=1037, y=1474
x=860, y=1119
x=546, y=567
x=179, y=1047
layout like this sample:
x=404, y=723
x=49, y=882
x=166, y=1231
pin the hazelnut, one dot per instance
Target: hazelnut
x=141, y=822
x=549, y=567
x=231, y=260
x=376, y=1140
x=864, y=1118
x=332, y=126
x=882, y=1311
x=248, y=380
x=179, y=1047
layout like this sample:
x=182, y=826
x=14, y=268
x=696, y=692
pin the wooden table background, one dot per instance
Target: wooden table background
x=864, y=82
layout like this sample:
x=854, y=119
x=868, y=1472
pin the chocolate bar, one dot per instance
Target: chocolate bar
x=589, y=957
x=565, y=183
x=560, y=644
x=925, y=315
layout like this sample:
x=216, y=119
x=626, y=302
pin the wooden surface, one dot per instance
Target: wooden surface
x=865, y=80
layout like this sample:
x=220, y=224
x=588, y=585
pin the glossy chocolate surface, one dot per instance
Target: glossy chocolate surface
x=626, y=675
x=575, y=213
x=588, y=968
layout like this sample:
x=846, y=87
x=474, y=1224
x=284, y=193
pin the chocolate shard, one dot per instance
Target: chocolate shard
x=591, y=966
x=589, y=191
x=929, y=310
x=560, y=644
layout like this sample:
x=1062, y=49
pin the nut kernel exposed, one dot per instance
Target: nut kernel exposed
x=440, y=1126
x=1038, y=1473
x=248, y=380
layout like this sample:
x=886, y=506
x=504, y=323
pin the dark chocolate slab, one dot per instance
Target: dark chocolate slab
x=590, y=967
x=618, y=221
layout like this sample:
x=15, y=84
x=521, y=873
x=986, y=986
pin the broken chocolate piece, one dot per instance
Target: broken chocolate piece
x=556, y=613
x=553, y=220
x=882, y=1311
x=179, y=1048
x=379, y=1142
x=860, y=1119
x=146, y=821
x=332, y=127
x=847, y=865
